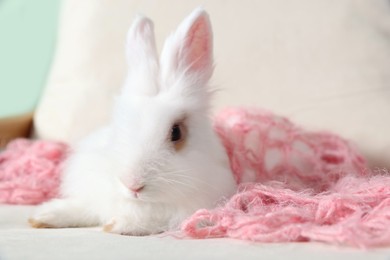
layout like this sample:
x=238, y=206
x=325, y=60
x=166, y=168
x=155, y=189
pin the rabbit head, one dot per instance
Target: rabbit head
x=163, y=143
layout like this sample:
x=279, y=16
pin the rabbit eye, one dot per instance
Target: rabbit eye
x=176, y=134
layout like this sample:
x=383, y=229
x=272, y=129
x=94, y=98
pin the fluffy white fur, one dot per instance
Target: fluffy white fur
x=134, y=149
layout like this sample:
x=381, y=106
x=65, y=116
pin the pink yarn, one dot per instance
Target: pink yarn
x=295, y=185
x=317, y=189
x=262, y=146
x=30, y=171
x=355, y=212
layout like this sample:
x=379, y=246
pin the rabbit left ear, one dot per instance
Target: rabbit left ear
x=189, y=51
x=142, y=57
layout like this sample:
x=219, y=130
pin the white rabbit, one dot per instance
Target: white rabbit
x=158, y=160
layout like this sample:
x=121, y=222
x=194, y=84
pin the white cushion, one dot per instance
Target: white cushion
x=325, y=64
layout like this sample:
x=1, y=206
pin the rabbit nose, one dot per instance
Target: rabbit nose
x=136, y=188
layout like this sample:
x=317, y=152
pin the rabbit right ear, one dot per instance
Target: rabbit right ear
x=142, y=58
x=188, y=52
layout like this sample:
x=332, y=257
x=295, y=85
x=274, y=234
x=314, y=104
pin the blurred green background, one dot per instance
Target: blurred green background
x=27, y=38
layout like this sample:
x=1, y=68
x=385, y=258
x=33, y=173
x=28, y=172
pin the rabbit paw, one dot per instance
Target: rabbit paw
x=60, y=214
x=125, y=226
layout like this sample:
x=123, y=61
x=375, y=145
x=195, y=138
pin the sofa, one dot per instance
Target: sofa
x=324, y=64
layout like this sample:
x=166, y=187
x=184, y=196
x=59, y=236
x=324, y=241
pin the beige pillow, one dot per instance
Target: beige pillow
x=325, y=64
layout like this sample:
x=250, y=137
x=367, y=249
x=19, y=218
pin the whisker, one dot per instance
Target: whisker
x=173, y=186
x=190, y=178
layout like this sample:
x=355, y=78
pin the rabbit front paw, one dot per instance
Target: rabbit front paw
x=62, y=213
x=129, y=227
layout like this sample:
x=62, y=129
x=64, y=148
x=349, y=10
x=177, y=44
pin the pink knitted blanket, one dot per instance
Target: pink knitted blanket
x=295, y=185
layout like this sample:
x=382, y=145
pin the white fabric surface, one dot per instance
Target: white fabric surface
x=323, y=63
x=19, y=241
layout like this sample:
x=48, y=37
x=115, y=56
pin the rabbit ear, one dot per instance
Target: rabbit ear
x=188, y=52
x=142, y=57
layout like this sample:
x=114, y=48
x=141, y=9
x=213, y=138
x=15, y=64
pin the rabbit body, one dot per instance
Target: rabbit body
x=158, y=160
